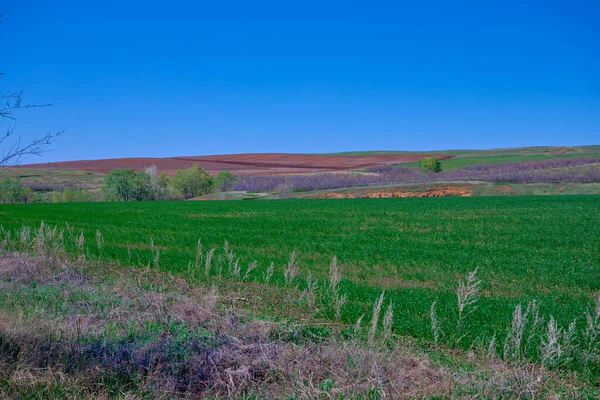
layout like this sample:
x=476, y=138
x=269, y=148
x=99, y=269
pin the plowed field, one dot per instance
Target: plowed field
x=242, y=164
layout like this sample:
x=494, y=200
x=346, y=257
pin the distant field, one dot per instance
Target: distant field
x=240, y=164
x=525, y=248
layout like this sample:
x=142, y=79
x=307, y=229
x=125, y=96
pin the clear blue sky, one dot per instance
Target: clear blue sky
x=144, y=78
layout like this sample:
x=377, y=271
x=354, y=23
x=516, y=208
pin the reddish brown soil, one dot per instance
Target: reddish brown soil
x=398, y=192
x=243, y=164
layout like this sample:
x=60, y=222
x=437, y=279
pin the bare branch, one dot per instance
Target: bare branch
x=36, y=147
x=11, y=101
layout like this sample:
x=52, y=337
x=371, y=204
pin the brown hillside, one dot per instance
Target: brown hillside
x=242, y=164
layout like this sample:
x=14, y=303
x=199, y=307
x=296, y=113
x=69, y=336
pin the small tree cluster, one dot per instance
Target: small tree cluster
x=430, y=164
x=11, y=191
x=127, y=185
x=224, y=181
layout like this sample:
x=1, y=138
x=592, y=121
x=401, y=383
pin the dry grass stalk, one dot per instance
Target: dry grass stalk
x=533, y=309
x=467, y=297
x=25, y=237
x=99, y=241
x=235, y=269
x=358, y=325
x=251, y=267
x=491, y=350
x=208, y=261
x=569, y=346
x=334, y=276
x=81, y=246
x=375, y=318
x=388, y=322
x=550, y=349
x=269, y=272
x=309, y=292
x=591, y=334
x=514, y=337
x=339, y=302
x=291, y=269
x=198, y=253
x=156, y=260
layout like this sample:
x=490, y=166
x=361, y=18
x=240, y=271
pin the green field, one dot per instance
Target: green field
x=543, y=248
x=462, y=161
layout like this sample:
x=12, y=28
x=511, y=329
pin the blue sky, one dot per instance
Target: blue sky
x=144, y=78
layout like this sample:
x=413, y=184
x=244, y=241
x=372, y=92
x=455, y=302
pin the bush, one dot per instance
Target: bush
x=430, y=164
x=11, y=191
x=225, y=180
x=193, y=182
x=71, y=196
x=160, y=188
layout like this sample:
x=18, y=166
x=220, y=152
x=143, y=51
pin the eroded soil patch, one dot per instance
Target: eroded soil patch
x=400, y=192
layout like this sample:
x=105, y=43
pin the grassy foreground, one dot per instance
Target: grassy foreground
x=79, y=328
x=536, y=258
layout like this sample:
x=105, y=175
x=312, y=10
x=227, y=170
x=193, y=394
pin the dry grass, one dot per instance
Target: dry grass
x=234, y=353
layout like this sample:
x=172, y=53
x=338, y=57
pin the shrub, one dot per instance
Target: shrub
x=430, y=164
x=71, y=196
x=193, y=182
x=11, y=191
x=225, y=180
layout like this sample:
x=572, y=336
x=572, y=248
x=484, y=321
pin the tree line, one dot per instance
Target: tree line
x=128, y=185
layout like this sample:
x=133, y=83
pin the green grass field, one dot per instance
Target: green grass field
x=544, y=248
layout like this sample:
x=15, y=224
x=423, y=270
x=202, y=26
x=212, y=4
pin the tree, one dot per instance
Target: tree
x=159, y=184
x=11, y=191
x=118, y=184
x=141, y=187
x=193, y=182
x=12, y=149
x=224, y=181
x=430, y=164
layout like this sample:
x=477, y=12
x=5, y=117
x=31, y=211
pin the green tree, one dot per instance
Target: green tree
x=11, y=191
x=159, y=184
x=141, y=187
x=193, y=182
x=163, y=180
x=224, y=181
x=118, y=184
x=430, y=164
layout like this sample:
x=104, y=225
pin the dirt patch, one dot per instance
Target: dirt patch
x=399, y=192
